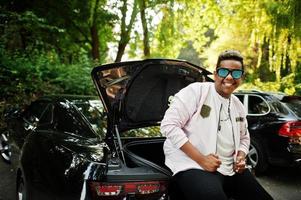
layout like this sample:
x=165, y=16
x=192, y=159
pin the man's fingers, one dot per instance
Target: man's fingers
x=215, y=155
x=240, y=167
x=216, y=159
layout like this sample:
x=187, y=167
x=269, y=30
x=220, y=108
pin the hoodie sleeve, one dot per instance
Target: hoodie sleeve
x=181, y=109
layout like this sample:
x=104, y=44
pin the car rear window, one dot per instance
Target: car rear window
x=279, y=108
x=257, y=105
x=294, y=103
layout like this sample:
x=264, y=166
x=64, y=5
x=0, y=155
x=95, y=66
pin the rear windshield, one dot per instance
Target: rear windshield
x=277, y=107
x=294, y=103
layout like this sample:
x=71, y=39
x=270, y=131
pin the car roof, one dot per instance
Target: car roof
x=278, y=95
x=64, y=97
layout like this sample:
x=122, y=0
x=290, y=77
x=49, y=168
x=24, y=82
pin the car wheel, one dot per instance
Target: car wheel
x=4, y=147
x=21, y=189
x=257, y=158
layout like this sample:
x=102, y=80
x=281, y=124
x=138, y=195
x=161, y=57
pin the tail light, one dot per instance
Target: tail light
x=103, y=190
x=291, y=129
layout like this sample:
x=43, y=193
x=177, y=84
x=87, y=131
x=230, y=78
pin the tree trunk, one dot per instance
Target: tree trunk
x=125, y=29
x=121, y=48
x=94, y=42
x=146, y=48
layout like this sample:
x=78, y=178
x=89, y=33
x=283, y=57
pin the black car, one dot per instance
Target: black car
x=274, y=121
x=73, y=147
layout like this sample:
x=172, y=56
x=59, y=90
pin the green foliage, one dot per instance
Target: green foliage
x=152, y=131
x=62, y=26
x=167, y=40
x=287, y=85
x=26, y=30
x=262, y=86
x=189, y=53
x=27, y=76
x=47, y=46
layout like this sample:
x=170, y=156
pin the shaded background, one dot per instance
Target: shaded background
x=51, y=46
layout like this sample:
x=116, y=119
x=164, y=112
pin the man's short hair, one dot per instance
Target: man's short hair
x=230, y=55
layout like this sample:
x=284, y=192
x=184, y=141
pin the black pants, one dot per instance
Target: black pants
x=195, y=184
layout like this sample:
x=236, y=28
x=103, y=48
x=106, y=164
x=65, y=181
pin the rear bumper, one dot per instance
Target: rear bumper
x=295, y=151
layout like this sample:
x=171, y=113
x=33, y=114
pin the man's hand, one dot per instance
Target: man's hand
x=210, y=163
x=240, y=164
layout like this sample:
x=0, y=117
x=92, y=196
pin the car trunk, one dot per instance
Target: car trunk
x=136, y=95
x=147, y=153
x=140, y=159
x=142, y=169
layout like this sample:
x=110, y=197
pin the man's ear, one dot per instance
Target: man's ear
x=243, y=76
x=214, y=74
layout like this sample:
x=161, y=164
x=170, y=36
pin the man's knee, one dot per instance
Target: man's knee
x=197, y=184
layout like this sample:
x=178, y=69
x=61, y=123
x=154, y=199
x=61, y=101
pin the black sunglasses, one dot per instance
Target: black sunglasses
x=235, y=73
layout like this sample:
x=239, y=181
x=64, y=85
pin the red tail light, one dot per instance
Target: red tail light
x=148, y=188
x=291, y=129
x=119, y=190
x=108, y=190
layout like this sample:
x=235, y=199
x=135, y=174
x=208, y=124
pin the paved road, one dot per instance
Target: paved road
x=7, y=184
x=281, y=183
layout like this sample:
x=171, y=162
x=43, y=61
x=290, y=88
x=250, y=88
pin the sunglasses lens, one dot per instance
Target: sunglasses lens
x=222, y=72
x=236, y=74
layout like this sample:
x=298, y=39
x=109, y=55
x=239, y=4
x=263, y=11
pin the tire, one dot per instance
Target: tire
x=5, y=152
x=257, y=157
x=21, y=193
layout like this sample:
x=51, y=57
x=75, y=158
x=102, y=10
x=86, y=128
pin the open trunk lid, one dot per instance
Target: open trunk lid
x=135, y=94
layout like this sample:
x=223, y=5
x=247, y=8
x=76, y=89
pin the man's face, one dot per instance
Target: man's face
x=225, y=86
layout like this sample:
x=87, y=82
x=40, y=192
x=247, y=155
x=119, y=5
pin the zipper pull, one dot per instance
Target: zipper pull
x=219, y=119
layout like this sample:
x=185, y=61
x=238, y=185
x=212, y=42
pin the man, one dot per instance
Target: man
x=207, y=139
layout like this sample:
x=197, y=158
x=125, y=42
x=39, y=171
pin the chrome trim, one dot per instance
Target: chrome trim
x=246, y=102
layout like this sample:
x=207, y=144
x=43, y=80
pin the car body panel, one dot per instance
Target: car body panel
x=53, y=163
x=266, y=113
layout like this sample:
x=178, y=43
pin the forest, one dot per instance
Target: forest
x=51, y=46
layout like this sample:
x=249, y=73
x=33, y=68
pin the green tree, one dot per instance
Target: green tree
x=125, y=29
x=77, y=26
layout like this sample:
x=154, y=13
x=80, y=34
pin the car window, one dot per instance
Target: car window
x=240, y=97
x=257, y=105
x=278, y=108
x=95, y=114
x=46, y=117
x=34, y=112
x=146, y=132
x=67, y=119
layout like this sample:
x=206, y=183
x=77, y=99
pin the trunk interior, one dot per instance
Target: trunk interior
x=146, y=153
x=144, y=161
